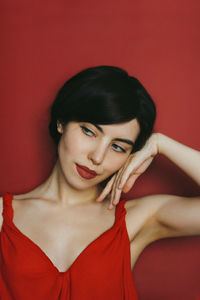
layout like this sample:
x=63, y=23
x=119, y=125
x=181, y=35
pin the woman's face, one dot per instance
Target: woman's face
x=89, y=153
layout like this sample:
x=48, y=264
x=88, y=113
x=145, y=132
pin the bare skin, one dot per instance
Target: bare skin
x=61, y=228
x=64, y=233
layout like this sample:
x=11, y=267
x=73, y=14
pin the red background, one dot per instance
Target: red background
x=43, y=43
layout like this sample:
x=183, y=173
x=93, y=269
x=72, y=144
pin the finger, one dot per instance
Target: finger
x=106, y=189
x=116, y=192
x=111, y=199
x=115, y=199
x=130, y=182
x=119, y=178
x=126, y=172
x=120, y=175
x=136, y=168
x=117, y=196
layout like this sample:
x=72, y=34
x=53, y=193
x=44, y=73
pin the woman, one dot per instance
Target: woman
x=64, y=240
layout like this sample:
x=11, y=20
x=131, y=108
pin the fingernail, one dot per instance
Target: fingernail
x=120, y=186
x=115, y=201
x=110, y=206
x=98, y=199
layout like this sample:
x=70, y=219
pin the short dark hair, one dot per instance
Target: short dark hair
x=103, y=95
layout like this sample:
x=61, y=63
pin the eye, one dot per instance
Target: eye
x=118, y=148
x=87, y=131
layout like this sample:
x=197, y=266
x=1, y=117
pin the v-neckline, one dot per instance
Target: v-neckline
x=42, y=252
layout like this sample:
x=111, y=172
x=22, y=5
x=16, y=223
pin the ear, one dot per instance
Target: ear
x=59, y=127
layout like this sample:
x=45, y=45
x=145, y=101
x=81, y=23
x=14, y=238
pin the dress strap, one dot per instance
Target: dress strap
x=7, y=206
x=120, y=210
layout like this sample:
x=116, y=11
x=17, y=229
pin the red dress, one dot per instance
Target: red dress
x=101, y=271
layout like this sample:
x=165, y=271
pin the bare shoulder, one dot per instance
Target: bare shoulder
x=1, y=210
x=148, y=205
x=17, y=202
x=158, y=216
x=141, y=219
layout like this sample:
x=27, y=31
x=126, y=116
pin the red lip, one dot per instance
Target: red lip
x=85, y=172
x=87, y=169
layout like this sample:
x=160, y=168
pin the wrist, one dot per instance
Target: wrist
x=161, y=140
x=153, y=144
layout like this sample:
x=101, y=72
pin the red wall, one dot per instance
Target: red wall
x=45, y=42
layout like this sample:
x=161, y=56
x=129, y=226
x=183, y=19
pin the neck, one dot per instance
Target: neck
x=56, y=188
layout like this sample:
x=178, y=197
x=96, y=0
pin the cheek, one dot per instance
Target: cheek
x=74, y=147
x=114, y=162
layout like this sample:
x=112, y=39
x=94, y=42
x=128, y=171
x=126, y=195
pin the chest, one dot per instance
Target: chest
x=62, y=234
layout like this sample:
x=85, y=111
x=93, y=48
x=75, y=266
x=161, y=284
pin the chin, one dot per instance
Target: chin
x=79, y=184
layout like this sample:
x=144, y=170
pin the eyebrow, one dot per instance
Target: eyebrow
x=129, y=142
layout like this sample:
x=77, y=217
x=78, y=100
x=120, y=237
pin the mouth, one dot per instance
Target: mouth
x=85, y=172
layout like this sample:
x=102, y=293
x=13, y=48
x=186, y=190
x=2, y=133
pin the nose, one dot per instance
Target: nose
x=97, y=155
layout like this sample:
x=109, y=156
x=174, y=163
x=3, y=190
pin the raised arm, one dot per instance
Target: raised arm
x=179, y=214
x=184, y=157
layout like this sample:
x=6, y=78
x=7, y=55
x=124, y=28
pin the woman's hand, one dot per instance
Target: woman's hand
x=135, y=165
